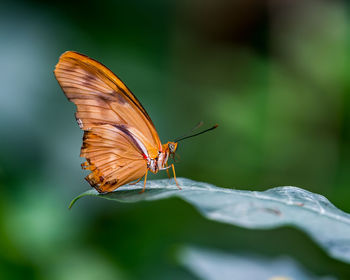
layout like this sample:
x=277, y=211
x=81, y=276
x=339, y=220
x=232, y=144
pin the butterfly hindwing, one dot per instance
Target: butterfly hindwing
x=112, y=157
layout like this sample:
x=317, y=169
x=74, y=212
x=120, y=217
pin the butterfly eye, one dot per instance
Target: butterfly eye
x=171, y=148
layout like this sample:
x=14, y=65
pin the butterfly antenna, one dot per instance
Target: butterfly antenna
x=198, y=125
x=206, y=130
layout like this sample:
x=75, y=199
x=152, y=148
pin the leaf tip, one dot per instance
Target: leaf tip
x=72, y=203
x=89, y=192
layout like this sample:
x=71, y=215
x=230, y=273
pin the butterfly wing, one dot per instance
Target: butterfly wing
x=102, y=99
x=113, y=157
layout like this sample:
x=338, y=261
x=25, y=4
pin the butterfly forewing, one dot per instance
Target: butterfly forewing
x=118, y=130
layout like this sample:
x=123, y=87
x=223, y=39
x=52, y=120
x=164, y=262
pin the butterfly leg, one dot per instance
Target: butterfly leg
x=144, y=183
x=167, y=171
x=138, y=180
x=172, y=165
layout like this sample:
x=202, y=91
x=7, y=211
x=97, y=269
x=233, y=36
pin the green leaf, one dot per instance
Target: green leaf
x=211, y=265
x=313, y=213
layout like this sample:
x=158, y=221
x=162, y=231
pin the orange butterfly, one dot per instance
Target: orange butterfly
x=120, y=141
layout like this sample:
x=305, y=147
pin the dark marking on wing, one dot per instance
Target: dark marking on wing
x=107, y=98
x=113, y=182
x=90, y=77
x=126, y=131
x=93, y=183
x=76, y=95
x=120, y=98
x=89, y=80
x=70, y=69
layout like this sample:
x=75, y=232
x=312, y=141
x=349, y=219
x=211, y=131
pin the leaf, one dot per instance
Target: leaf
x=313, y=213
x=211, y=265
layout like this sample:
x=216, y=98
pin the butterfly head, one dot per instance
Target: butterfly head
x=172, y=147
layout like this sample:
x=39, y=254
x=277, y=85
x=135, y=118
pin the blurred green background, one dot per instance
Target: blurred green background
x=274, y=76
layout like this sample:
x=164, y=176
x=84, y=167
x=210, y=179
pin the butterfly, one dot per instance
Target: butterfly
x=120, y=142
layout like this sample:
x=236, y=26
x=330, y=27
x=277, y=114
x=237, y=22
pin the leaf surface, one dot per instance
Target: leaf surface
x=280, y=206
